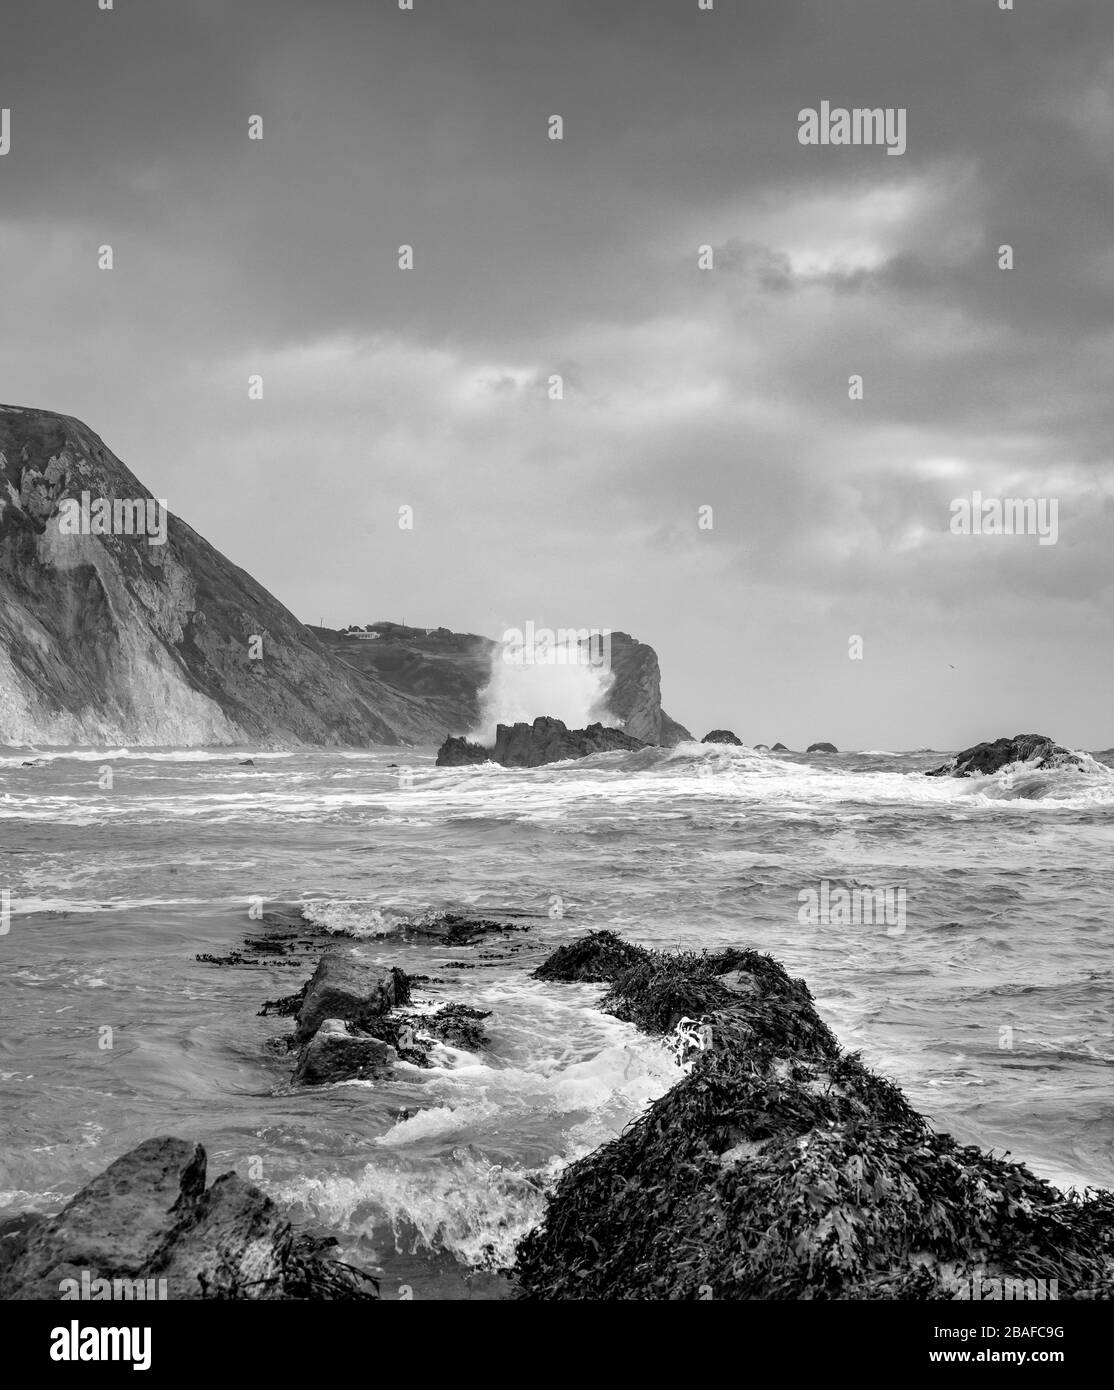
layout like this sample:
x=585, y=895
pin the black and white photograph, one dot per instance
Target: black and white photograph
x=556, y=673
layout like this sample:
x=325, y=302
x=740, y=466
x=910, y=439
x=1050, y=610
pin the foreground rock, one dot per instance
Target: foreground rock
x=149, y=1216
x=780, y=1167
x=531, y=745
x=722, y=736
x=351, y=1023
x=987, y=758
x=337, y=1052
x=356, y=991
x=821, y=748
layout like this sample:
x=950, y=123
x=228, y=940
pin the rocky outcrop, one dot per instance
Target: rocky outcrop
x=602, y=955
x=145, y=639
x=722, y=736
x=150, y=1217
x=110, y=638
x=454, y=929
x=779, y=748
x=986, y=758
x=343, y=1030
x=338, y=1052
x=353, y=990
x=531, y=745
x=350, y=1019
x=634, y=698
x=821, y=748
x=448, y=670
x=780, y=1167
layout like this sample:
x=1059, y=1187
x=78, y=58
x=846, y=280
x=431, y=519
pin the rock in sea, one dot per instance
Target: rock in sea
x=356, y=991
x=986, y=758
x=547, y=740
x=780, y=1167
x=337, y=1053
x=149, y=1217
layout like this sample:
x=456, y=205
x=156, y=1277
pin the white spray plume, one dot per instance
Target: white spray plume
x=541, y=672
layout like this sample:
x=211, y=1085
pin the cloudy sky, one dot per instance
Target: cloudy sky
x=683, y=388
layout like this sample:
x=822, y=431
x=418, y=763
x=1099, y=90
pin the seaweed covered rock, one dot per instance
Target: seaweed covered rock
x=459, y=1025
x=987, y=758
x=149, y=1216
x=601, y=955
x=454, y=929
x=722, y=736
x=780, y=1167
x=821, y=748
x=531, y=745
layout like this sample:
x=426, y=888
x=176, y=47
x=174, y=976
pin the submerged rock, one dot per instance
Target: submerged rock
x=148, y=1216
x=531, y=745
x=459, y=1025
x=987, y=758
x=780, y=1167
x=454, y=929
x=722, y=736
x=821, y=748
x=337, y=1053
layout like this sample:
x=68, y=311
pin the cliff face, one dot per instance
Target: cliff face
x=448, y=670
x=147, y=635
x=636, y=693
x=110, y=638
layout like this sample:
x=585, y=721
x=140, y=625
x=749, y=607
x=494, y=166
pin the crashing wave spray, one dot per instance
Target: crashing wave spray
x=534, y=671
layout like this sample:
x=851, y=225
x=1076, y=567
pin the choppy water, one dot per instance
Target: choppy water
x=992, y=1008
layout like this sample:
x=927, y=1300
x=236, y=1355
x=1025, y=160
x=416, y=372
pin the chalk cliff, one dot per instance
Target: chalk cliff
x=133, y=638
x=110, y=638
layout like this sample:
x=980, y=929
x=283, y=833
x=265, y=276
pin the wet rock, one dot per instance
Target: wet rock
x=454, y=929
x=100, y=1229
x=338, y=1053
x=459, y=1025
x=149, y=1216
x=821, y=748
x=634, y=696
x=346, y=987
x=780, y=1167
x=601, y=955
x=531, y=745
x=779, y=748
x=986, y=758
x=722, y=736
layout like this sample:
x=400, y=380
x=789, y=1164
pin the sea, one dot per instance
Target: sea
x=986, y=992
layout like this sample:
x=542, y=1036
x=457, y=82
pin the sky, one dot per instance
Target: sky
x=684, y=388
